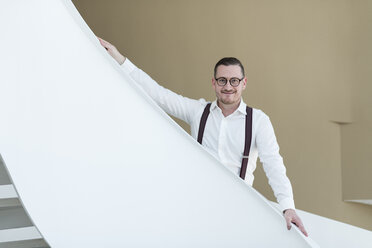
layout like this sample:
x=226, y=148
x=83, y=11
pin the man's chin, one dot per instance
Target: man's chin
x=227, y=101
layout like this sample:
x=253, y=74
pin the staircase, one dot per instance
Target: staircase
x=16, y=228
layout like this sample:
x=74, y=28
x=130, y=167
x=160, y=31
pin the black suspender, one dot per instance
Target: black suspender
x=248, y=135
x=248, y=139
x=203, y=121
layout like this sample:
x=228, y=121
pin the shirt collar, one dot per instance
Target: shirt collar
x=242, y=107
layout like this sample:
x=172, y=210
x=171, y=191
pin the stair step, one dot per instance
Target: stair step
x=7, y=192
x=8, y=197
x=21, y=238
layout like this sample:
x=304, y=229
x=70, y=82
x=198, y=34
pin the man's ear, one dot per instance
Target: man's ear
x=213, y=82
x=244, y=82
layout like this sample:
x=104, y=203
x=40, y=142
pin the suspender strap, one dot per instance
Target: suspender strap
x=203, y=121
x=248, y=139
x=248, y=135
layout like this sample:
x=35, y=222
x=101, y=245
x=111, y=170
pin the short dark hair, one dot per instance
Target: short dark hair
x=228, y=61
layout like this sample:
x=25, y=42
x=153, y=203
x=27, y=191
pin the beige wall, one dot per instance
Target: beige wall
x=300, y=57
x=357, y=136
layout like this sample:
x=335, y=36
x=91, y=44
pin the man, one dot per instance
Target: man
x=225, y=127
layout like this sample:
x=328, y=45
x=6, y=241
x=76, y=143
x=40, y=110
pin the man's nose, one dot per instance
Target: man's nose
x=227, y=86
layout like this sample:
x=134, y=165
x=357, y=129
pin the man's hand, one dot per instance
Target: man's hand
x=291, y=216
x=111, y=49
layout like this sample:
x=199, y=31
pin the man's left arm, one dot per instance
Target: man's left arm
x=268, y=151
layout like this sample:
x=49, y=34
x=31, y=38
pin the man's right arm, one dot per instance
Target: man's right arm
x=176, y=105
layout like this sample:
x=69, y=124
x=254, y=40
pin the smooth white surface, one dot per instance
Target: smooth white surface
x=76, y=162
x=331, y=233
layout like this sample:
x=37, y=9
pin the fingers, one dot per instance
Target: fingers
x=302, y=228
x=102, y=40
x=297, y=221
x=111, y=49
x=104, y=43
x=288, y=220
x=292, y=217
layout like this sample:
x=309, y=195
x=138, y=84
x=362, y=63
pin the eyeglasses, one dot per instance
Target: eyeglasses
x=233, y=81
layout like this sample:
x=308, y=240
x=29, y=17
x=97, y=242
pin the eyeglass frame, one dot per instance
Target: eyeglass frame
x=228, y=80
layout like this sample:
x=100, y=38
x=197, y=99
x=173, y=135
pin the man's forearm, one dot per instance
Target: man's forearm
x=172, y=103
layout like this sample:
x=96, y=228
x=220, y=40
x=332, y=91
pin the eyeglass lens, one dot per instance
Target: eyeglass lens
x=233, y=81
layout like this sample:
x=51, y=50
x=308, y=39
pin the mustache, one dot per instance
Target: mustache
x=228, y=91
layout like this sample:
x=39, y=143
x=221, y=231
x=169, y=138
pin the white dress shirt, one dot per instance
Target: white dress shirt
x=224, y=136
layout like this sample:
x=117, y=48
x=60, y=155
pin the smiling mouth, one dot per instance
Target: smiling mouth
x=228, y=93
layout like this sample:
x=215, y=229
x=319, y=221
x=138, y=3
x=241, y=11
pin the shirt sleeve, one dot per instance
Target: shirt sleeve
x=268, y=151
x=174, y=104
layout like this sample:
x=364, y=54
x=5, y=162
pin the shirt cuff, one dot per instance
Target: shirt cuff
x=128, y=66
x=287, y=203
